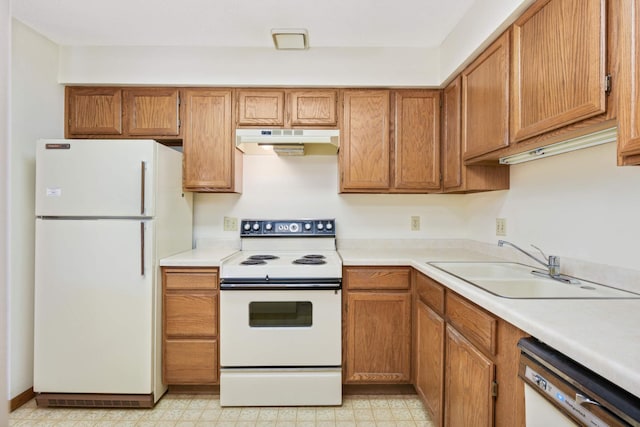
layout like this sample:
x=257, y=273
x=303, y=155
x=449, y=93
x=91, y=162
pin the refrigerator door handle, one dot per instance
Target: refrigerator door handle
x=143, y=169
x=142, y=248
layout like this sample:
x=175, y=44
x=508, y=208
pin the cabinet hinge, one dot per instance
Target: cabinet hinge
x=494, y=389
x=607, y=84
x=179, y=123
x=440, y=176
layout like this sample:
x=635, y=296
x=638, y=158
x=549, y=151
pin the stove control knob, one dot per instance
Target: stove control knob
x=329, y=226
x=320, y=226
x=256, y=227
x=307, y=226
x=247, y=226
x=268, y=226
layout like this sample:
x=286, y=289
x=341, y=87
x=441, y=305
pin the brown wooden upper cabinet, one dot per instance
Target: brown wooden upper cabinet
x=374, y=160
x=93, y=111
x=211, y=162
x=557, y=65
x=98, y=112
x=485, y=101
x=364, y=141
x=457, y=177
x=287, y=107
x=629, y=90
x=151, y=111
x=416, y=139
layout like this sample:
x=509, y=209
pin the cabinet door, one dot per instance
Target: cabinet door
x=151, y=111
x=485, y=101
x=451, y=155
x=209, y=152
x=469, y=380
x=429, y=359
x=94, y=111
x=312, y=108
x=629, y=86
x=260, y=107
x=378, y=337
x=417, y=140
x=364, y=154
x=557, y=65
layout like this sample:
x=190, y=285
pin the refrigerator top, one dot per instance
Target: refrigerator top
x=100, y=178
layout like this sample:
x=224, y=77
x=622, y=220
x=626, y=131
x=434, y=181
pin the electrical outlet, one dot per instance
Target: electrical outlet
x=415, y=223
x=230, y=223
x=501, y=226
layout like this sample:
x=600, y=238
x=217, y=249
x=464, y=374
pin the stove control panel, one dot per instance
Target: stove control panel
x=288, y=228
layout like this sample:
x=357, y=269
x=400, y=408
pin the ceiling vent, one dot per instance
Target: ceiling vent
x=290, y=39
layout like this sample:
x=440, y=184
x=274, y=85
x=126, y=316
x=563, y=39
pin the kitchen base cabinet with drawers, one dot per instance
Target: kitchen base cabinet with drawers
x=465, y=360
x=190, y=319
x=377, y=326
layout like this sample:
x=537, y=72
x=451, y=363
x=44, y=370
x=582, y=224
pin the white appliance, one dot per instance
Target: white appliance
x=561, y=392
x=280, y=316
x=106, y=212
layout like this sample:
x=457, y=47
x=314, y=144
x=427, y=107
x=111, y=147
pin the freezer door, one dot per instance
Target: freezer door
x=94, y=306
x=91, y=178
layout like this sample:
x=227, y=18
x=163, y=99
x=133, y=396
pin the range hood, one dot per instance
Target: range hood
x=288, y=142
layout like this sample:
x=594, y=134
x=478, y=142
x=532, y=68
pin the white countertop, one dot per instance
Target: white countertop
x=603, y=335
x=204, y=257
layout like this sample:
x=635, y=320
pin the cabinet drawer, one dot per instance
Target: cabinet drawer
x=473, y=322
x=377, y=278
x=191, y=314
x=192, y=279
x=191, y=362
x=430, y=292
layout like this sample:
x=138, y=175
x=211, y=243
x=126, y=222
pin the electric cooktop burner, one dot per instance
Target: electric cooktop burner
x=314, y=256
x=250, y=261
x=310, y=260
x=263, y=257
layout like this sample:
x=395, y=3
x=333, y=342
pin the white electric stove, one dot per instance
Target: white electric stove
x=280, y=316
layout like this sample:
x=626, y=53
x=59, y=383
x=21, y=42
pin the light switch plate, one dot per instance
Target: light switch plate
x=415, y=223
x=501, y=226
x=230, y=223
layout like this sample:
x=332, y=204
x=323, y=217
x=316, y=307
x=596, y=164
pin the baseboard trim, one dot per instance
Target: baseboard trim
x=194, y=389
x=21, y=399
x=372, y=389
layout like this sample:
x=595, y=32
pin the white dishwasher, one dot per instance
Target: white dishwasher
x=560, y=392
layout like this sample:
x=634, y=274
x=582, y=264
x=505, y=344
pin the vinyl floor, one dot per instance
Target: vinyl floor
x=182, y=410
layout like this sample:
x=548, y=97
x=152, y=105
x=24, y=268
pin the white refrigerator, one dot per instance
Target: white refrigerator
x=106, y=212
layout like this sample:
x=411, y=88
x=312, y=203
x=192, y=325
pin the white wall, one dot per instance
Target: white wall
x=295, y=187
x=213, y=66
x=37, y=112
x=481, y=24
x=5, y=70
x=579, y=205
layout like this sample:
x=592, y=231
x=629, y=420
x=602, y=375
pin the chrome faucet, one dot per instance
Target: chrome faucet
x=551, y=263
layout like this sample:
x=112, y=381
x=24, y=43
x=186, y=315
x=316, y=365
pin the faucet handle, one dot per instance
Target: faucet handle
x=540, y=250
x=554, y=265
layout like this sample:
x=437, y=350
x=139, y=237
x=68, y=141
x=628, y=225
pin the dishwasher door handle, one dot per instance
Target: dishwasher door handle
x=582, y=400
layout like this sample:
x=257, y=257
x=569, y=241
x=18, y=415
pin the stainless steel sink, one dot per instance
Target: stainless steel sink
x=515, y=280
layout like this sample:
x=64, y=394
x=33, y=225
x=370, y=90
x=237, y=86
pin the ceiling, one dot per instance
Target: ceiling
x=241, y=23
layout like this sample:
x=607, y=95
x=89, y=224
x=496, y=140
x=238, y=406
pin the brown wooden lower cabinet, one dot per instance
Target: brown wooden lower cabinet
x=465, y=360
x=377, y=331
x=190, y=320
x=429, y=362
x=469, y=376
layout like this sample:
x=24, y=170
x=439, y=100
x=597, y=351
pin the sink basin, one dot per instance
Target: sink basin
x=514, y=280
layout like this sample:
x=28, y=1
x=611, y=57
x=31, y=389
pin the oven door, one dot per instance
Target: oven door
x=280, y=328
